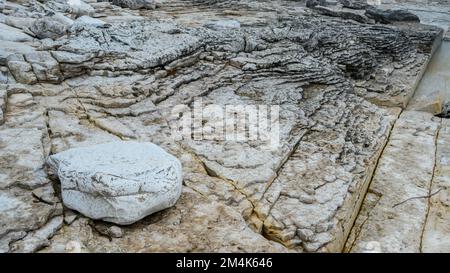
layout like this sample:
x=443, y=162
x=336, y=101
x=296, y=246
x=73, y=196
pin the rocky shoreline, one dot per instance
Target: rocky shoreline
x=79, y=73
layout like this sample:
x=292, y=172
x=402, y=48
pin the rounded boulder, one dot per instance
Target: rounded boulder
x=119, y=182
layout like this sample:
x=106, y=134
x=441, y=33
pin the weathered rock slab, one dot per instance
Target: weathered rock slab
x=395, y=208
x=436, y=236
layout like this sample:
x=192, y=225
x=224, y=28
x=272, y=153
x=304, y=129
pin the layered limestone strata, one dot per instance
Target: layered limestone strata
x=339, y=85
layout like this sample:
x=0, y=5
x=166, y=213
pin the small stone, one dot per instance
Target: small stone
x=306, y=235
x=307, y=199
x=70, y=216
x=115, y=232
x=108, y=230
x=330, y=178
x=311, y=247
x=249, y=67
x=46, y=194
x=309, y=189
x=73, y=247
x=323, y=227
x=372, y=247
x=160, y=74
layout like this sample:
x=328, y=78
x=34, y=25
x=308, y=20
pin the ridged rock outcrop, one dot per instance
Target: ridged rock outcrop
x=117, y=74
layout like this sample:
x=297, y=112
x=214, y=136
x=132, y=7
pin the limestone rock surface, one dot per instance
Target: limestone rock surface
x=339, y=78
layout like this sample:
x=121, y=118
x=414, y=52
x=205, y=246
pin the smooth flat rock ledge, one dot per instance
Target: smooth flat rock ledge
x=119, y=182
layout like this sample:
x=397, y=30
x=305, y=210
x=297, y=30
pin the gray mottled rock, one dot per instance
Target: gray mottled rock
x=120, y=182
x=8, y=33
x=134, y=4
x=70, y=216
x=445, y=113
x=48, y=28
x=45, y=194
x=108, y=230
x=38, y=239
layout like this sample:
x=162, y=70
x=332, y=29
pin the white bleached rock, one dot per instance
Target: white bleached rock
x=120, y=182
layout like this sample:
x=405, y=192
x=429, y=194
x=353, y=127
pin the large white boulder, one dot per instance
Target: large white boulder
x=120, y=182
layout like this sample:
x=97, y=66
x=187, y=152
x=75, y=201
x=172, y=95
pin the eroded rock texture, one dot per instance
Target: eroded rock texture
x=340, y=85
